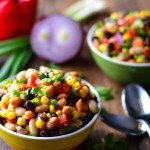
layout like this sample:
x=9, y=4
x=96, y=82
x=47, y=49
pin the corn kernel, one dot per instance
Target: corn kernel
x=126, y=37
x=86, y=89
x=71, y=80
x=78, y=122
x=44, y=100
x=103, y=47
x=4, y=112
x=11, y=115
x=21, y=121
x=99, y=33
x=76, y=85
x=75, y=114
x=51, y=108
x=58, y=112
x=82, y=93
x=116, y=15
x=144, y=13
x=40, y=123
x=48, y=115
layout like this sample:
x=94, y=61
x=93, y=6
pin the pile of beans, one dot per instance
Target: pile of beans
x=124, y=36
x=46, y=102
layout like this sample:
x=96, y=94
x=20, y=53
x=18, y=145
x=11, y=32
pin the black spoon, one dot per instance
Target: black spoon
x=126, y=124
x=136, y=101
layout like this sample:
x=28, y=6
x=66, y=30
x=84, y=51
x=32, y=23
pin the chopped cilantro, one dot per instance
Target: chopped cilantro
x=42, y=76
x=48, y=79
x=69, y=129
x=20, y=81
x=109, y=142
x=15, y=93
x=104, y=92
x=60, y=77
x=38, y=91
x=54, y=66
x=5, y=83
x=54, y=102
x=24, y=95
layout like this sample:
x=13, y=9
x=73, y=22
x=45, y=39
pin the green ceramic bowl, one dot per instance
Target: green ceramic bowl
x=65, y=142
x=120, y=71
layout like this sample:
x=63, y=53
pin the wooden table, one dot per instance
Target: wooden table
x=93, y=74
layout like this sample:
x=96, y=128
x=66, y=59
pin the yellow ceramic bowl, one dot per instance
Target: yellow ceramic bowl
x=65, y=142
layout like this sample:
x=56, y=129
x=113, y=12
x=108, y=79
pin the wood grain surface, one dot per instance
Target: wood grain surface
x=85, y=64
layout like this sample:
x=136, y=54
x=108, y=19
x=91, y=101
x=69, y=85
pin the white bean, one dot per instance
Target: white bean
x=10, y=126
x=30, y=72
x=20, y=111
x=32, y=127
x=21, y=75
x=92, y=106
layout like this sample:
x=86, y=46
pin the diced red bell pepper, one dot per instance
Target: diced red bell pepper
x=147, y=52
x=32, y=81
x=12, y=120
x=5, y=106
x=63, y=87
x=131, y=32
x=16, y=17
x=63, y=120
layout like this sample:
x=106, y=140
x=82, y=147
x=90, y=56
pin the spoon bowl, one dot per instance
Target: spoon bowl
x=136, y=101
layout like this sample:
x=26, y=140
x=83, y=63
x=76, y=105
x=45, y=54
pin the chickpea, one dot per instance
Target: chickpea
x=79, y=105
x=52, y=122
x=67, y=110
x=61, y=96
x=15, y=101
x=41, y=108
x=22, y=75
x=61, y=103
x=29, y=114
x=50, y=91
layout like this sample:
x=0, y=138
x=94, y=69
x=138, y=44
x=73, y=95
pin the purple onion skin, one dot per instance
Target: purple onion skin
x=47, y=41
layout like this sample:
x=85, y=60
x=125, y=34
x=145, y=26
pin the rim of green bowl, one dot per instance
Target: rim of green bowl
x=95, y=50
x=95, y=117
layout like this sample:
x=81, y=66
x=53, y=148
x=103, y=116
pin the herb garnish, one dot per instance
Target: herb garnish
x=109, y=142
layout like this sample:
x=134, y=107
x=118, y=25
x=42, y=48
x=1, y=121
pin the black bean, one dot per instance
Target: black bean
x=43, y=116
x=30, y=95
x=1, y=96
x=95, y=37
x=44, y=133
x=2, y=120
x=47, y=74
x=107, y=34
x=54, y=115
x=87, y=118
x=29, y=105
x=53, y=132
x=146, y=21
x=147, y=41
x=74, y=98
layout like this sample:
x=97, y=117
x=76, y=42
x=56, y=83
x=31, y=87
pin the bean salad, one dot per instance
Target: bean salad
x=124, y=36
x=46, y=102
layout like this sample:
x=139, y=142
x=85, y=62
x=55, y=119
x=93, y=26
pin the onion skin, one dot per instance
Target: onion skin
x=57, y=38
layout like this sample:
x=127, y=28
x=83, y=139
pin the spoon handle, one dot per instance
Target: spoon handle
x=125, y=124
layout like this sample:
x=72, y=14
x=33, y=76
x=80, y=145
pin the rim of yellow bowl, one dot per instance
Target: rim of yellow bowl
x=95, y=117
x=95, y=50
